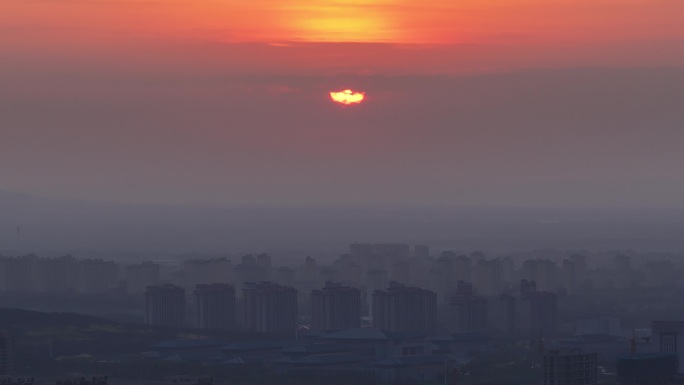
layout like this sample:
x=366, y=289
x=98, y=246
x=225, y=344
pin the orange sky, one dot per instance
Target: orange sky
x=395, y=21
x=456, y=36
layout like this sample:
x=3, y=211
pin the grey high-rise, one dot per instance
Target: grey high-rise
x=270, y=308
x=570, y=367
x=215, y=306
x=165, y=306
x=336, y=307
x=468, y=312
x=6, y=356
x=402, y=308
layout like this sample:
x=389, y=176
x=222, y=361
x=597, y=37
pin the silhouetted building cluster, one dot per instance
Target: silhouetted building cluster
x=57, y=275
x=402, y=308
x=383, y=311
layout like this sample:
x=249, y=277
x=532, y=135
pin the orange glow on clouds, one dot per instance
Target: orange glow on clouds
x=346, y=35
x=347, y=97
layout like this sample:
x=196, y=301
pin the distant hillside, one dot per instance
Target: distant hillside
x=73, y=334
x=26, y=320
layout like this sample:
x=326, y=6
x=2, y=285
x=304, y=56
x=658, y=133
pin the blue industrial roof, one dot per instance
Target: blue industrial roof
x=322, y=347
x=256, y=345
x=371, y=334
x=460, y=337
x=189, y=343
x=328, y=359
x=358, y=334
x=412, y=360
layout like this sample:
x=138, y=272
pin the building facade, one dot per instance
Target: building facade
x=538, y=314
x=215, y=306
x=402, y=308
x=336, y=307
x=6, y=356
x=165, y=306
x=667, y=337
x=468, y=312
x=570, y=367
x=270, y=308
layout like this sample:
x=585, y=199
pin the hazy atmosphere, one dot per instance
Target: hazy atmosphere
x=336, y=192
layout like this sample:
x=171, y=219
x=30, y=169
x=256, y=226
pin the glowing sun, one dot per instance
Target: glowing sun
x=347, y=97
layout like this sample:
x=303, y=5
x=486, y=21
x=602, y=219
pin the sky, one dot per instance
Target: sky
x=515, y=103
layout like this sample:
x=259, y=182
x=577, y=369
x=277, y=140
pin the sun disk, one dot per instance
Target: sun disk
x=347, y=97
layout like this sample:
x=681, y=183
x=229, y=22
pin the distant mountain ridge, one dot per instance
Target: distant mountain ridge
x=12, y=318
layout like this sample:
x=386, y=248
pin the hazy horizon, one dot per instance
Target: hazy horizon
x=138, y=231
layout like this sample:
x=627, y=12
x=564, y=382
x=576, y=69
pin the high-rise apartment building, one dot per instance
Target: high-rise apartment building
x=468, y=312
x=507, y=270
x=392, y=251
x=462, y=267
x=527, y=288
x=488, y=277
x=263, y=260
x=284, y=276
x=203, y=271
x=58, y=275
x=350, y=272
x=421, y=251
x=402, y=308
x=215, y=306
x=538, y=312
x=270, y=308
x=377, y=279
x=443, y=276
x=569, y=275
x=253, y=269
x=310, y=270
x=97, y=276
x=336, y=307
x=667, y=337
x=503, y=314
x=580, y=261
x=19, y=274
x=543, y=272
x=570, y=367
x=6, y=354
x=165, y=306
